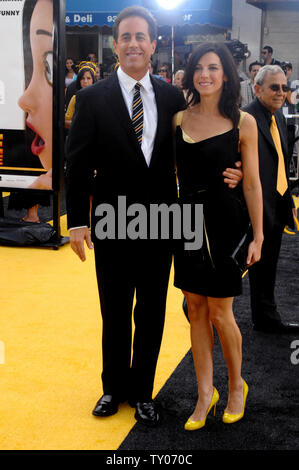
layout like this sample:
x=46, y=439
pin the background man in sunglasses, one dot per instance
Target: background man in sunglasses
x=271, y=91
x=266, y=56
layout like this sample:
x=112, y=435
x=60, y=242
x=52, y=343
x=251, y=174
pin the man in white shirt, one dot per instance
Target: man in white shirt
x=247, y=86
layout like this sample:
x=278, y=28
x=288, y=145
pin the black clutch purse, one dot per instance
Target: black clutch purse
x=239, y=255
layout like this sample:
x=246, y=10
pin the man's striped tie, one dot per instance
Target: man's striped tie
x=137, y=116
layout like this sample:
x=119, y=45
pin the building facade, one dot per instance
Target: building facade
x=255, y=23
x=280, y=29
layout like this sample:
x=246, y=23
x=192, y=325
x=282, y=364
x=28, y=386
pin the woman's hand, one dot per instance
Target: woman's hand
x=254, y=251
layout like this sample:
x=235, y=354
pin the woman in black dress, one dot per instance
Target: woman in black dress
x=211, y=135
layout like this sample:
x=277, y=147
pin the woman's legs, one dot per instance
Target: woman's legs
x=202, y=341
x=203, y=312
x=222, y=317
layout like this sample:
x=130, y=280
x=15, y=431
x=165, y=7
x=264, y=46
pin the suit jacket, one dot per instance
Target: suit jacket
x=247, y=95
x=276, y=208
x=102, y=138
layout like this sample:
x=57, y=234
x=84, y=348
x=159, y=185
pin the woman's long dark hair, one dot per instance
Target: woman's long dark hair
x=230, y=96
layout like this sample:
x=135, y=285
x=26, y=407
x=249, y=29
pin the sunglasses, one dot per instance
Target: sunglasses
x=275, y=87
x=162, y=70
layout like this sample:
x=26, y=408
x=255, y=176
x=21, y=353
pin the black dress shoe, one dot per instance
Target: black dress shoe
x=278, y=327
x=146, y=413
x=106, y=406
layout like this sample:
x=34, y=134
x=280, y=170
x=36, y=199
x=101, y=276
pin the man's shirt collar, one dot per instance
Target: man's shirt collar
x=129, y=83
x=265, y=111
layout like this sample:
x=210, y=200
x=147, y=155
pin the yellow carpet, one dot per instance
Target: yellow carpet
x=50, y=355
x=50, y=336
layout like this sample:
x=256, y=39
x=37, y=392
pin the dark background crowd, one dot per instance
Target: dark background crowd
x=163, y=71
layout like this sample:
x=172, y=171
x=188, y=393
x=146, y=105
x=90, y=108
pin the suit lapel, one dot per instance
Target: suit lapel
x=115, y=101
x=265, y=128
x=263, y=124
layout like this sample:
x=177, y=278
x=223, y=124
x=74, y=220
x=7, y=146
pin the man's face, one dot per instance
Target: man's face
x=272, y=99
x=254, y=70
x=134, y=46
x=266, y=55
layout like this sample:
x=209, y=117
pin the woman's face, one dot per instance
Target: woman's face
x=69, y=64
x=38, y=97
x=86, y=80
x=208, y=76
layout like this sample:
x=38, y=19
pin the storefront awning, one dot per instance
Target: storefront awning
x=103, y=12
x=94, y=12
x=263, y=3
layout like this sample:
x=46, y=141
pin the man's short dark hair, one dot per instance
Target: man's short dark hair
x=142, y=13
x=256, y=62
x=269, y=49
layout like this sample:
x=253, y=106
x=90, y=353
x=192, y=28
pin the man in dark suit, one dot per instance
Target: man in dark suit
x=271, y=90
x=135, y=161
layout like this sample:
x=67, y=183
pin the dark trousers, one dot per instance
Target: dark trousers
x=262, y=277
x=124, y=269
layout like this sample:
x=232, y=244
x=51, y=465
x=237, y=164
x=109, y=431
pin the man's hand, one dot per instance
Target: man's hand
x=77, y=238
x=233, y=176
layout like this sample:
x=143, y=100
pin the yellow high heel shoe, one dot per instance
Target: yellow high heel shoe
x=289, y=231
x=193, y=425
x=229, y=418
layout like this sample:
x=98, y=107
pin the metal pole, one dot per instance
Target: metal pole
x=172, y=53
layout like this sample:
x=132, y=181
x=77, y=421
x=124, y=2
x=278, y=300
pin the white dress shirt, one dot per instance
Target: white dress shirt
x=150, y=114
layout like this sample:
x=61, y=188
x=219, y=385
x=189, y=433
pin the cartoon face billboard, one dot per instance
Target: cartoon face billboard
x=26, y=94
